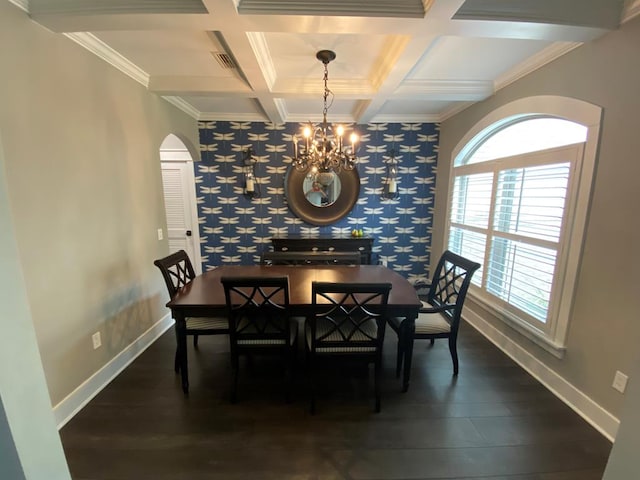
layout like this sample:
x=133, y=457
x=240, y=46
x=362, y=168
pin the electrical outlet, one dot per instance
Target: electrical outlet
x=160, y=234
x=97, y=341
x=620, y=381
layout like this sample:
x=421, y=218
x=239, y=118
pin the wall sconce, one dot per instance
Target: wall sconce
x=250, y=187
x=390, y=185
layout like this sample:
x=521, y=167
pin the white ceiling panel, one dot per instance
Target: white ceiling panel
x=465, y=58
x=389, y=66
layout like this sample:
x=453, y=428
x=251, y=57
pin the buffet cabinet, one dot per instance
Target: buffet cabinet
x=363, y=245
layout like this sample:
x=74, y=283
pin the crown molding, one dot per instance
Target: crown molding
x=631, y=11
x=405, y=118
x=445, y=89
x=184, y=106
x=116, y=7
x=454, y=110
x=260, y=48
x=387, y=60
x=21, y=4
x=233, y=117
x=109, y=55
x=535, y=62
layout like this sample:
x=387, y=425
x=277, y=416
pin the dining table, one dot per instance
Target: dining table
x=204, y=297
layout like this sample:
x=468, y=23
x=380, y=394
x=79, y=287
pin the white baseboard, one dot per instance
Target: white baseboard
x=76, y=400
x=593, y=413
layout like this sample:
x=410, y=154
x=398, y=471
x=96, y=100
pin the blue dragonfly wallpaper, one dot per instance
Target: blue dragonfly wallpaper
x=236, y=230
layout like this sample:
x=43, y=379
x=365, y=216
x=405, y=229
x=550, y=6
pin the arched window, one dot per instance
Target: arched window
x=517, y=206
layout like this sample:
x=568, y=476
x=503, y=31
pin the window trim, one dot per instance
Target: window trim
x=573, y=110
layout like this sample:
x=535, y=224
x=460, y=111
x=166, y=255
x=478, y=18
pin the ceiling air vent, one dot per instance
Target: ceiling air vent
x=224, y=60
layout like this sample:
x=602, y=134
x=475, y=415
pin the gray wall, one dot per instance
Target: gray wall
x=604, y=330
x=81, y=143
x=624, y=462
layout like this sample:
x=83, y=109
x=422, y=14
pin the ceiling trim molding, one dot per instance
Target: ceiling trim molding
x=445, y=89
x=406, y=118
x=454, y=110
x=109, y=55
x=631, y=11
x=260, y=48
x=233, y=117
x=116, y=7
x=184, y=106
x=21, y=4
x=387, y=60
x=535, y=62
x=348, y=8
x=281, y=107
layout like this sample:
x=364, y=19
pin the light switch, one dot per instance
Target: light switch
x=160, y=234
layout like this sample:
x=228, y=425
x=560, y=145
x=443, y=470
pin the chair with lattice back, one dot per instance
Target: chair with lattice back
x=440, y=314
x=348, y=321
x=260, y=323
x=177, y=271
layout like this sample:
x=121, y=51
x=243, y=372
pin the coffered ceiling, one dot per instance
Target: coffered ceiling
x=397, y=60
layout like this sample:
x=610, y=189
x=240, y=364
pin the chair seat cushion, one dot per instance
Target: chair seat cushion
x=264, y=342
x=431, y=323
x=207, y=323
x=426, y=324
x=324, y=327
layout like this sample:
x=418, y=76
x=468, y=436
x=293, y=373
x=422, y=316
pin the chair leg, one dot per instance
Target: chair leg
x=235, y=364
x=376, y=383
x=433, y=340
x=312, y=385
x=399, y=354
x=454, y=354
x=195, y=341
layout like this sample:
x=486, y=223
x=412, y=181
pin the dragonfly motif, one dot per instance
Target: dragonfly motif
x=229, y=239
x=258, y=137
x=240, y=125
x=208, y=168
x=224, y=136
x=411, y=127
x=244, y=210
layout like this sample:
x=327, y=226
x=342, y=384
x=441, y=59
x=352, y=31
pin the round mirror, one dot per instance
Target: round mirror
x=321, y=198
x=321, y=189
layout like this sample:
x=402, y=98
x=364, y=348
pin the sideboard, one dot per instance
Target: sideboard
x=364, y=245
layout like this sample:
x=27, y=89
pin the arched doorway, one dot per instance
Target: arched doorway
x=180, y=199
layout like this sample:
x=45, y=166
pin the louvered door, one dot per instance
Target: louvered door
x=180, y=234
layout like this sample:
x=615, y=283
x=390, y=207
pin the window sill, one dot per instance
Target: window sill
x=528, y=331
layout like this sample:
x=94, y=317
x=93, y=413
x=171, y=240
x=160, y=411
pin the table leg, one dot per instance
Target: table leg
x=409, y=331
x=181, y=337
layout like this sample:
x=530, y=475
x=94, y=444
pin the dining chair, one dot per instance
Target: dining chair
x=440, y=314
x=259, y=322
x=177, y=271
x=348, y=321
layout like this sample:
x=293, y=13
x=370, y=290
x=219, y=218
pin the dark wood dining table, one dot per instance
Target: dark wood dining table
x=204, y=297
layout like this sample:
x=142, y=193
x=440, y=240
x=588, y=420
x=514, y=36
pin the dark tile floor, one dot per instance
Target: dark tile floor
x=493, y=422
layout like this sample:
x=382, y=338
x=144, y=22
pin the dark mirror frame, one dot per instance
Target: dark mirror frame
x=305, y=210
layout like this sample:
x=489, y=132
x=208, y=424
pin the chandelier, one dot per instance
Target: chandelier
x=323, y=148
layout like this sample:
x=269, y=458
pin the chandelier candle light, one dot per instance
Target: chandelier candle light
x=390, y=186
x=323, y=149
x=251, y=187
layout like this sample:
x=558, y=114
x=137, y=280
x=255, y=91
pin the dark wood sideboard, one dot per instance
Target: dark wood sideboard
x=364, y=245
